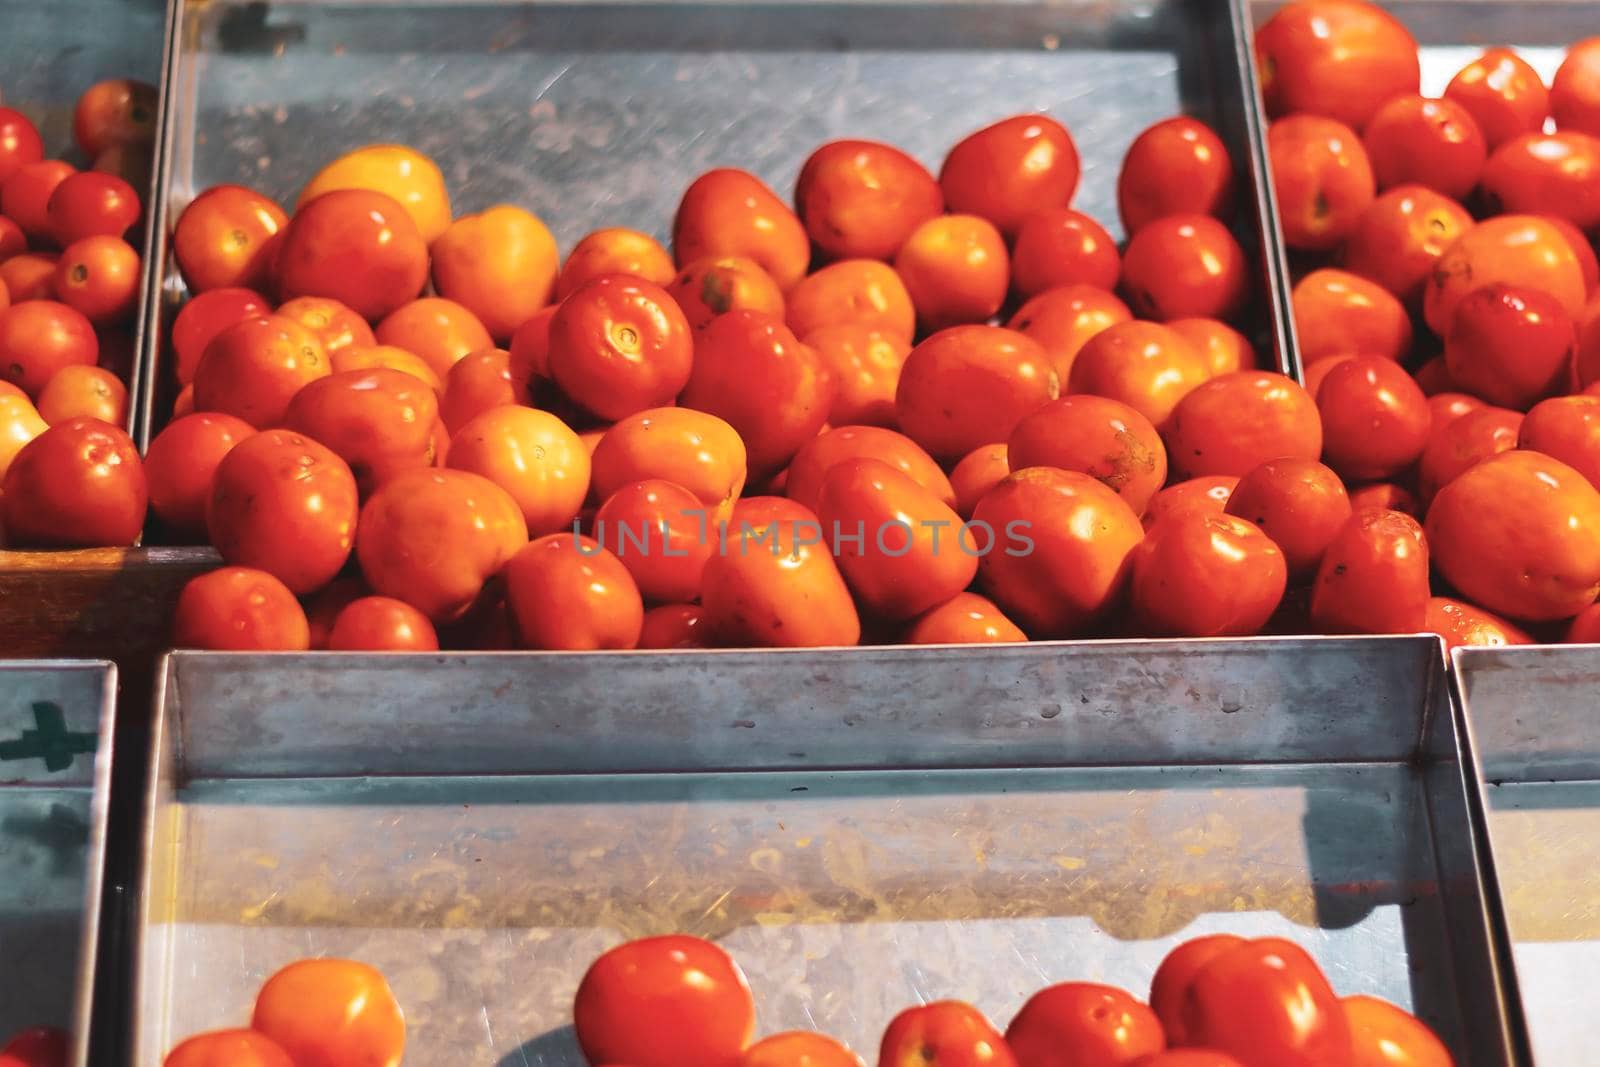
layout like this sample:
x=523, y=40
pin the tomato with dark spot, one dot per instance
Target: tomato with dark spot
x=943, y=1033
x=863, y=198
x=79, y=484
x=331, y=1013
x=1200, y=574
x=1413, y=140
x=254, y=368
x=1374, y=577
x=226, y=239
x=89, y=204
x=1299, y=503
x=1504, y=94
x=1102, y=438
x=1266, y=1001
x=1237, y=421
x=1060, y=246
x=1179, y=166
x=714, y=285
x=1322, y=178
x=1401, y=236
x=118, y=111
x=1007, y=171
x=1335, y=58
x=356, y=246
x=728, y=212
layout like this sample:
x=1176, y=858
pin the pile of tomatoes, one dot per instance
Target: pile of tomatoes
x=39, y=1046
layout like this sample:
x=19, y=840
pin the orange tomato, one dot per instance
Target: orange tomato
x=30, y=275
x=1434, y=143
x=968, y=385
x=404, y=174
x=1400, y=238
x=1510, y=345
x=1200, y=574
x=1103, y=438
x=713, y=285
x=533, y=456
x=1179, y=166
x=1566, y=428
x=1336, y=312
x=964, y=619
x=254, y=368
x=1059, y=246
x=78, y=484
x=370, y=357
x=181, y=463
x=1222, y=348
x=238, y=609
x=1520, y=250
x=1385, y=495
x=227, y=238
x=852, y=292
x=694, y=449
x=530, y=350
x=1464, y=442
x=674, y=626
x=331, y=1013
x=1169, y=988
x=1145, y=365
x=1334, y=58
x=381, y=624
x=1375, y=420
x=862, y=199
x=1007, y=171
x=203, y=317
x=1503, y=93
x=89, y=392
x=570, y=593
x=1382, y=1035
x=799, y=1048
x=99, y=276
x=500, y=264
x=477, y=382
x=620, y=345
x=772, y=583
x=20, y=423
x=1209, y=492
x=228, y=1048
x=1235, y=422
x=355, y=246
x=663, y=535
x=978, y=472
x=1460, y=624
x=1298, y=503
x=437, y=330
x=1554, y=174
x=1184, y=266
x=1064, y=319
x=113, y=112
x=955, y=269
x=864, y=364
x=378, y=421
x=1374, y=576
x=40, y=337
x=1322, y=178
x=729, y=212
x=819, y=455
x=1075, y=1023
x=943, y=1033
x=616, y=250
x=1575, y=90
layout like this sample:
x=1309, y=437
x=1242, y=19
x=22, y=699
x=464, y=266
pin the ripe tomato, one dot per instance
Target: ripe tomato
x=1210, y=492
x=896, y=542
x=853, y=291
x=439, y=331
x=693, y=449
x=25, y=197
x=675, y=626
x=1235, y=422
x=620, y=345
x=133, y=163
x=1081, y=1024
x=1336, y=312
x=40, y=337
x=1007, y=171
x=1385, y=495
x=1463, y=443
x=1373, y=577
x=713, y=285
x=1588, y=261
x=254, y=368
x=237, y=609
x=1555, y=174
x=477, y=383
x=89, y=204
x=533, y=456
x=1105, y=439
x=1401, y=236
x=819, y=455
x=357, y=247
x=1433, y=143
x=955, y=269
x=30, y=276
x=331, y=1013
x=20, y=143
x=378, y=421
x=183, y=403
x=964, y=619
x=729, y=212
x=672, y=1001
x=99, y=277
x=1298, y=503
x=1145, y=365
x=1222, y=348
x=404, y=174
x=1188, y=1057
x=40, y=1046
x=226, y=239
x=970, y=385
x=1520, y=250
x=1059, y=246
x=120, y=111
x=181, y=462
x=1375, y=420
x=1055, y=551
x=663, y=535
x=1566, y=428
x=750, y=370
x=336, y=326
x=529, y=354
x=381, y=624
x=1575, y=90
x=433, y=538
x=1343, y=60
x=1504, y=94
x=978, y=472
x=1460, y=623
x=1184, y=266
x=1510, y=345
x=359, y=357
x=1169, y=989
x=323, y=607
x=1265, y=1001
x=864, y=364
x=77, y=484
x=1322, y=178
x=12, y=240
x=203, y=317
x=228, y=1048
x=614, y=251
x=944, y=1033
x=1382, y=1035
x=799, y=1048
x=1179, y=166
x=87, y=392
x=499, y=264
x=1064, y=319
x=1585, y=628
x=1200, y=574
x=862, y=199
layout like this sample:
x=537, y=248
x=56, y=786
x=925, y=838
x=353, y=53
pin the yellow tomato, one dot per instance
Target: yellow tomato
x=20, y=423
x=501, y=263
x=405, y=174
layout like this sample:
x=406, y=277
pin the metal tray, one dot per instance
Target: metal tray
x=56, y=719
x=1533, y=718
x=862, y=830
x=597, y=114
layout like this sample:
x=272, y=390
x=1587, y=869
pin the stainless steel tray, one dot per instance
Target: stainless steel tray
x=597, y=114
x=56, y=719
x=862, y=830
x=1533, y=716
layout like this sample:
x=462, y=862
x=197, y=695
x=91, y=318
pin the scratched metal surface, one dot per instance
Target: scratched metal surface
x=845, y=888
x=1535, y=721
x=52, y=840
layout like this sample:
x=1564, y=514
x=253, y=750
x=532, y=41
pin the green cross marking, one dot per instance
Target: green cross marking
x=49, y=739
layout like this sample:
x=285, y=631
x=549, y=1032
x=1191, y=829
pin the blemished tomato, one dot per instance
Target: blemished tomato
x=895, y=541
x=78, y=484
x=1382, y=1035
x=1200, y=574
x=1169, y=989
x=181, y=462
x=1222, y=348
x=864, y=364
x=228, y=1048
x=440, y=331
x=1401, y=236
x=964, y=619
x=1503, y=93
x=1585, y=627
x=1265, y=1001
x=1335, y=58
x=1552, y=174
x=90, y=204
x=1463, y=443
x=331, y=1013
x=226, y=239
x=969, y=386
x=1064, y=319
x=955, y=269
x=404, y=174
x=1375, y=420
x=1385, y=495
x=433, y=538
x=1519, y=533
x=852, y=291
x=673, y=1001
x=728, y=212
x=1007, y=171
x=713, y=285
x=20, y=423
x=1055, y=552
x=1299, y=503
x=40, y=1046
x=1059, y=246
x=1082, y=1024
x=381, y=624
x=500, y=264
x=1105, y=439
x=663, y=535
x=20, y=143
x=615, y=250
x=1510, y=345
x=533, y=456
x=25, y=197
x=862, y=199
x=238, y=609
x=1145, y=365
x=1179, y=166
x=620, y=345
x=88, y=392
x=1209, y=492
x=40, y=337
x=200, y=320
x=694, y=449
x=1373, y=577
x=118, y=111
x=356, y=246
x=378, y=421
x=675, y=626
x=1413, y=140
x=944, y=1033
x=369, y=357
x=751, y=371
x=1521, y=250
x=254, y=368
x=978, y=472
x=1566, y=428
x=1337, y=312
x=478, y=382
x=1184, y=266
x=1574, y=92
x=99, y=277
x=819, y=455
x=772, y=581
x=1460, y=623
x=1322, y=178
x=1235, y=422
x=799, y=1048
x=30, y=276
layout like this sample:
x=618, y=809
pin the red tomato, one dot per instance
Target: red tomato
x=181, y=462
x=1521, y=250
x=1059, y=246
x=969, y=386
x=1338, y=313
x=1585, y=628
x=1105, y=439
x=40, y=1046
x=1334, y=58
x=1510, y=345
x=819, y=455
x=614, y=251
x=119, y=111
x=1588, y=261
x=1080, y=1024
x=1462, y=443
x=25, y=197
x=1184, y=266
x=672, y=1001
x=698, y=451
x=964, y=619
x=1298, y=503
x=1007, y=171
x=228, y=1048
x=91, y=392
x=978, y=472
x=237, y=609
x=78, y=484
x=730, y=212
x=863, y=199
x=1222, y=348
x=203, y=317
x=1374, y=577
x=378, y=421
x=254, y=368
x=799, y=1048
x=39, y=338
x=1200, y=574
x=226, y=239
x=30, y=276
x=20, y=143
x=1555, y=174
x=944, y=1033
x=1238, y=421
x=1385, y=495
x=1064, y=319
x=1209, y=493
x=865, y=365
x=12, y=240
x=99, y=277
x=852, y=291
x=1460, y=623
x=89, y=204
x=662, y=534
x=675, y=626
x=331, y=1013
x=478, y=382
x=282, y=503
x=1322, y=178
x=1434, y=143
x=382, y=624
x=1169, y=989
x=1267, y=1002
x=1382, y=1035
x=1575, y=91
x=1401, y=236
x=955, y=269
x=1503, y=93
x=356, y=246
x=1145, y=365
x=714, y=285
x=1375, y=420
x=1179, y=166
x=1188, y=1057
x=620, y=345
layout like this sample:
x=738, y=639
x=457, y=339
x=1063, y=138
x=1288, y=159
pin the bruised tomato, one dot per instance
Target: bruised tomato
x=1179, y=166
x=772, y=582
x=1433, y=143
x=25, y=197
x=1336, y=312
x=1065, y=318
x=943, y=1033
x=499, y=264
x=1078, y=1024
x=620, y=345
x=862, y=199
x=864, y=364
x=665, y=1001
x=820, y=454
x=614, y=251
x=99, y=277
x=228, y=1048
x=1375, y=420
x=1145, y=365
x=439, y=331
x=1169, y=989
x=1184, y=266
x=227, y=238
x=662, y=534
x=1551, y=174
x=1298, y=503
x=254, y=368
x=1059, y=246
x=40, y=337
x=978, y=472
x=1520, y=250
x=1222, y=348
x=1461, y=624
x=852, y=291
x=1238, y=421
x=1510, y=345
x=568, y=592
x=969, y=386
x=381, y=624
x=80, y=483
x=1373, y=577
x=964, y=619
x=1200, y=574
x=1335, y=58
x=378, y=421
x=675, y=626
x=1382, y=1035
x=1103, y=438
x=203, y=317
x=690, y=448
x=799, y=1048
x=1322, y=178
x=533, y=456
x=1209, y=492
x=1007, y=171
x=955, y=269
x=239, y=609
x=1504, y=94
x=728, y=212
x=1401, y=236
x=331, y=1013
x=713, y=285
x=1463, y=443
x=356, y=246
x=1266, y=1001
x=181, y=463
x=90, y=392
